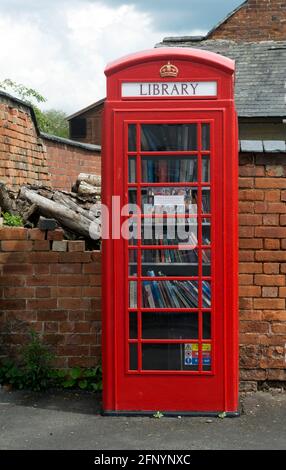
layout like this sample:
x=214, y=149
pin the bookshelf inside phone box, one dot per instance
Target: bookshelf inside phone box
x=170, y=251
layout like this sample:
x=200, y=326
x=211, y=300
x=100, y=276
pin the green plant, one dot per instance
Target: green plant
x=12, y=220
x=52, y=121
x=85, y=379
x=36, y=367
x=34, y=371
x=10, y=373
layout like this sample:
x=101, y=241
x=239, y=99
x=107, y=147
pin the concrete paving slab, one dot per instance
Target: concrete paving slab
x=71, y=421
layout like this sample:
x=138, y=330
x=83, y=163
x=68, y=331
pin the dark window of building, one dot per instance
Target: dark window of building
x=78, y=128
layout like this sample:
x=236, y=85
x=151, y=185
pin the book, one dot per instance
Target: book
x=132, y=170
x=133, y=294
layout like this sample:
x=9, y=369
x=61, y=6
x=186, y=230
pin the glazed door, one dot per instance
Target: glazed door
x=169, y=307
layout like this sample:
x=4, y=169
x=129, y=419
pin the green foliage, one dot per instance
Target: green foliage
x=24, y=93
x=55, y=123
x=78, y=378
x=158, y=415
x=10, y=373
x=34, y=367
x=34, y=371
x=12, y=220
x=52, y=121
x=37, y=360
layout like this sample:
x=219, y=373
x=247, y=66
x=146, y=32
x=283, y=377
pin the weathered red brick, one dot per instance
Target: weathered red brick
x=272, y=244
x=76, y=245
x=269, y=280
x=57, y=234
x=249, y=268
x=13, y=233
x=16, y=245
x=269, y=303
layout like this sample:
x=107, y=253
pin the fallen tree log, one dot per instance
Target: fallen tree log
x=69, y=218
x=88, y=189
x=68, y=202
x=94, y=180
x=7, y=202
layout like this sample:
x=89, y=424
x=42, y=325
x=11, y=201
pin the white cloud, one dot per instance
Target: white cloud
x=62, y=52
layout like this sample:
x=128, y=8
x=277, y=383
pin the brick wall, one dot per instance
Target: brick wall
x=262, y=267
x=28, y=157
x=257, y=20
x=22, y=153
x=65, y=162
x=57, y=293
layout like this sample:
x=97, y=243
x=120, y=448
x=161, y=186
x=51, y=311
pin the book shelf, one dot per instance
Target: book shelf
x=169, y=250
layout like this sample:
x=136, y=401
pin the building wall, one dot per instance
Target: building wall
x=56, y=293
x=27, y=158
x=65, y=162
x=257, y=20
x=262, y=267
x=93, y=126
x=253, y=129
x=22, y=154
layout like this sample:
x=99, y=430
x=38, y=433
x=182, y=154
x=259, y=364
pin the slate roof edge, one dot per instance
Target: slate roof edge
x=212, y=30
x=262, y=146
x=73, y=143
x=87, y=108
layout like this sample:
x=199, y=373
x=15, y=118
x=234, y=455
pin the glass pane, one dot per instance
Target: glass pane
x=206, y=201
x=164, y=232
x=169, y=169
x=132, y=262
x=132, y=170
x=132, y=201
x=206, y=262
x=130, y=231
x=170, y=294
x=132, y=294
x=168, y=137
x=206, y=354
x=170, y=263
x=170, y=200
x=133, y=356
x=133, y=330
x=205, y=136
x=132, y=137
x=161, y=325
x=206, y=292
x=206, y=325
x=206, y=169
x=206, y=231
x=167, y=357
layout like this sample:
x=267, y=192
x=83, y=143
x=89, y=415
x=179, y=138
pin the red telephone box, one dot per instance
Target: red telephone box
x=170, y=247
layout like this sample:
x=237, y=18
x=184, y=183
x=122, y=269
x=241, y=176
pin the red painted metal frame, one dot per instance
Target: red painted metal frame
x=205, y=391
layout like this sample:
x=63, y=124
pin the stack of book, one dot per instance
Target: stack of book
x=174, y=294
x=169, y=170
x=164, y=241
x=170, y=256
x=168, y=137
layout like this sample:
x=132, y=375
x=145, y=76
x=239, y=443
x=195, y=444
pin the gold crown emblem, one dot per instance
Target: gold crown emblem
x=169, y=70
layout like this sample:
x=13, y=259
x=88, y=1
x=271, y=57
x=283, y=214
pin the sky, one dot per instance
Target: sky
x=61, y=47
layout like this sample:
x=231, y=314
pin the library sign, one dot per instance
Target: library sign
x=168, y=89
